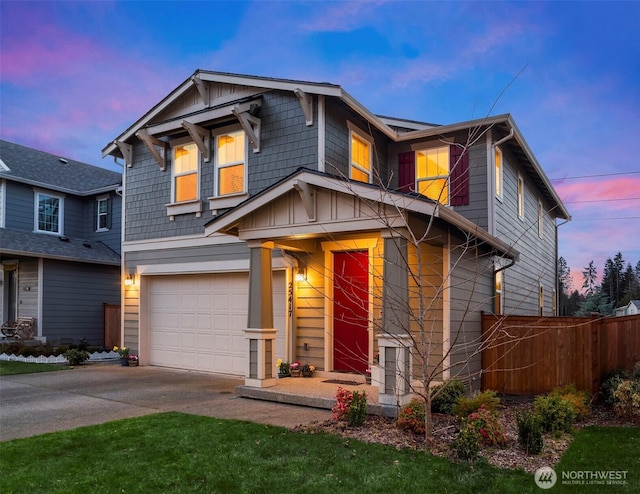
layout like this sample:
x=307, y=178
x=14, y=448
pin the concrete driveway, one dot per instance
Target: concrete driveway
x=32, y=404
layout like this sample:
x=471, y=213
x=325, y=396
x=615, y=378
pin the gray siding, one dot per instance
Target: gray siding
x=477, y=210
x=73, y=297
x=195, y=254
x=537, y=255
x=19, y=202
x=110, y=238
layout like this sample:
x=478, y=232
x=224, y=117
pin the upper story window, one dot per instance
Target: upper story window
x=49, y=213
x=432, y=173
x=499, y=299
x=186, y=158
x=102, y=214
x=230, y=164
x=520, y=197
x=498, y=171
x=360, y=158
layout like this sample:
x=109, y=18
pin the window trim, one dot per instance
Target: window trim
x=499, y=173
x=182, y=142
x=498, y=303
x=446, y=177
x=540, y=219
x=520, y=197
x=36, y=226
x=100, y=199
x=363, y=136
x=541, y=299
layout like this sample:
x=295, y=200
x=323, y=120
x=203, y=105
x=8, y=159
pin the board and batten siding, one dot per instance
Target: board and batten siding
x=536, y=265
x=74, y=297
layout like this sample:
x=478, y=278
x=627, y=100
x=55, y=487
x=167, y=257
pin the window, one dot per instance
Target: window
x=49, y=213
x=360, y=158
x=432, y=173
x=498, y=162
x=499, y=300
x=102, y=214
x=186, y=158
x=520, y=197
x=541, y=300
x=540, y=218
x=230, y=163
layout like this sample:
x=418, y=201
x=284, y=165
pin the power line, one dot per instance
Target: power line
x=604, y=200
x=610, y=219
x=595, y=176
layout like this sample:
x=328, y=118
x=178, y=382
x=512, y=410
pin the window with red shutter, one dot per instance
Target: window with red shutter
x=458, y=176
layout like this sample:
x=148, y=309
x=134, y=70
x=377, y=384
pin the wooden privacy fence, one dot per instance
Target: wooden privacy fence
x=527, y=355
x=111, y=325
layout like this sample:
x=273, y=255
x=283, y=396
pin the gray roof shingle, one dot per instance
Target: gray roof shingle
x=55, y=247
x=38, y=168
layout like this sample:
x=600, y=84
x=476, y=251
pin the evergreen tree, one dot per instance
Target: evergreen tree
x=564, y=282
x=590, y=275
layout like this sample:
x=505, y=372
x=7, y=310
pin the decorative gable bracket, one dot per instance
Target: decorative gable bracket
x=203, y=90
x=127, y=152
x=251, y=125
x=308, y=196
x=202, y=138
x=153, y=143
x=306, y=102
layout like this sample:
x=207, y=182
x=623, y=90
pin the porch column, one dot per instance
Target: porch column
x=260, y=333
x=395, y=343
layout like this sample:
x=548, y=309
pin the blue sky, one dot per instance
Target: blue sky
x=74, y=75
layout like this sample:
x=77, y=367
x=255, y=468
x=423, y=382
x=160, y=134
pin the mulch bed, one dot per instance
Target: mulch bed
x=383, y=430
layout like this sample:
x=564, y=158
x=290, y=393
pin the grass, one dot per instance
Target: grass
x=11, y=368
x=174, y=452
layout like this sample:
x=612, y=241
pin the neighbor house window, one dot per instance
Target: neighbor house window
x=230, y=163
x=432, y=173
x=360, y=158
x=499, y=300
x=49, y=213
x=186, y=159
x=520, y=197
x=541, y=300
x=498, y=160
x=102, y=213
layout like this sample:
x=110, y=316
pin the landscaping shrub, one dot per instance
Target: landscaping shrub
x=466, y=445
x=411, y=416
x=578, y=399
x=487, y=427
x=611, y=383
x=447, y=395
x=358, y=409
x=627, y=399
x=467, y=405
x=75, y=356
x=556, y=415
x=529, y=432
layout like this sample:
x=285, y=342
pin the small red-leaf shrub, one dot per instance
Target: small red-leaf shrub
x=411, y=416
x=487, y=426
x=340, y=410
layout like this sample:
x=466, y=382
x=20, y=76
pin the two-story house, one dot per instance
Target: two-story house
x=60, y=237
x=269, y=218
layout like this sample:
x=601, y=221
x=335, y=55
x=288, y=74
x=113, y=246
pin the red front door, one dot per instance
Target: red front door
x=350, y=311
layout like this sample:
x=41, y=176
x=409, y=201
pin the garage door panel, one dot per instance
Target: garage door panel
x=197, y=321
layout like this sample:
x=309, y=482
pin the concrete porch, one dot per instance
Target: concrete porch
x=317, y=392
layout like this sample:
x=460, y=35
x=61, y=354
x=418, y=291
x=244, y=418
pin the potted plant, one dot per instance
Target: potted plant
x=295, y=368
x=133, y=360
x=284, y=369
x=123, y=351
x=307, y=370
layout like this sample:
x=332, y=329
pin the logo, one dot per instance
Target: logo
x=545, y=477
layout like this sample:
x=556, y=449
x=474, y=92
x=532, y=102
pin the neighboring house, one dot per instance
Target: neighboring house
x=631, y=309
x=60, y=237
x=256, y=228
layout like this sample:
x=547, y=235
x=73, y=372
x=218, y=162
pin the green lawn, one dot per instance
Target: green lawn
x=174, y=452
x=10, y=368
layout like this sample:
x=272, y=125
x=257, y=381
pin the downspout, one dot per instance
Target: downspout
x=504, y=139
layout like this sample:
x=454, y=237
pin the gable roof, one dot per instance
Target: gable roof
x=55, y=247
x=412, y=203
x=30, y=166
x=389, y=126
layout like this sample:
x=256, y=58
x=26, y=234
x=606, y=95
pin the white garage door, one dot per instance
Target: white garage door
x=197, y=322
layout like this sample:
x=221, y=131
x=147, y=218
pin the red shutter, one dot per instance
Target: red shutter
x=407, y=171
x=458, y=176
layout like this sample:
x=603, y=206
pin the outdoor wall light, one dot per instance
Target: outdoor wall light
x=130, y=280
x=301, y=274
